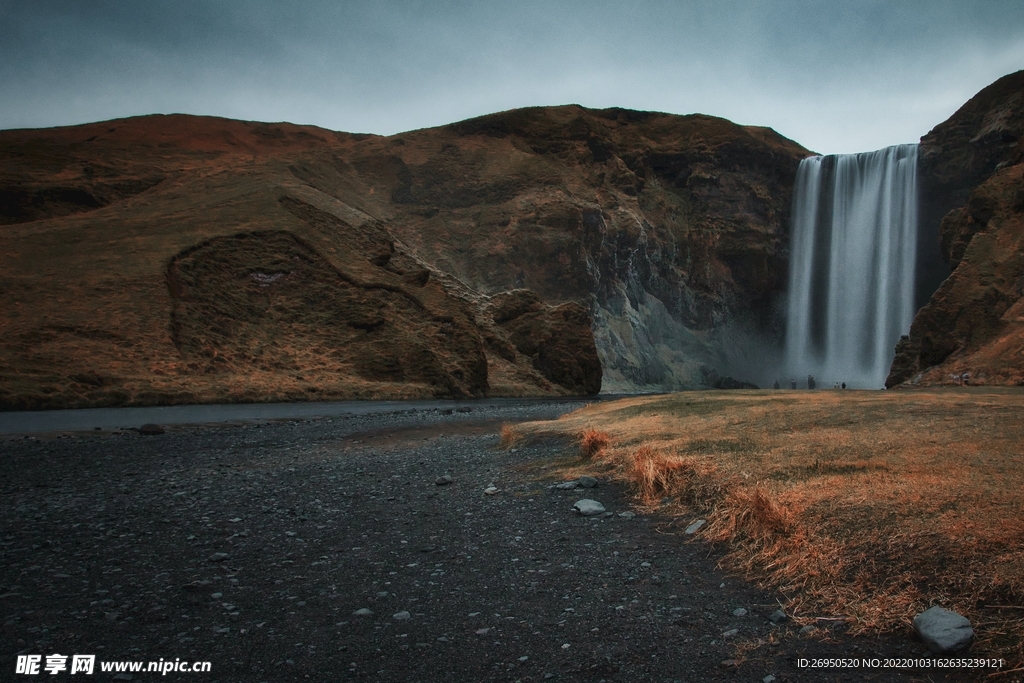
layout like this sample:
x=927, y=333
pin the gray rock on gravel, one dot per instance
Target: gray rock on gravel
x=943, y=630
x=739, y=612
x=444, y=480
x=627, y=514
x=695, y=527
x=218, y=557
x=586, y=482
x=778, y=617
x=565, y=485
x=363, y=612
x=588, y=508
x=401, y=616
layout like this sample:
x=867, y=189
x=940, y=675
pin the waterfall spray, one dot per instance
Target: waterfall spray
x=851, y=283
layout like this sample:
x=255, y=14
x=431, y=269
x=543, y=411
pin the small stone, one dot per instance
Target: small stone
x=483, y=631
x=627, y=514
x=696, y=526
x=364, y=612
x=444, y=480
x=523, y=658
x=566, y=485
x=216, y=596
x=218, y=557
x=729, y=663
x=768, y=679
x=730, y=633
x=943, y=630
x=383, y=594
x=565, y=646
x=151, y=429
x=807, y=629
x=778, y=617
x=588, y=508
x=586, y=482
x=491, y=490
x=401, y=616
x=739, y=612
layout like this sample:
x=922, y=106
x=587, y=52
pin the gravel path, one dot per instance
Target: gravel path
x=257, y=547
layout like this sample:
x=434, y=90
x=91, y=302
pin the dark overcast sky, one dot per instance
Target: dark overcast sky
x=836, y=76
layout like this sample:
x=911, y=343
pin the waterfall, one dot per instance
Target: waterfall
x=851, y=280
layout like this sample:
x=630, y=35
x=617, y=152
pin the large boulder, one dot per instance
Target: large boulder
x=943, y=630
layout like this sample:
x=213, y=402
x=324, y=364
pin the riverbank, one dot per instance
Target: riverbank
x=257, y=547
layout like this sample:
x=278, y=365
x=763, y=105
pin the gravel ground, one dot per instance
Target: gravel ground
x=254, y=547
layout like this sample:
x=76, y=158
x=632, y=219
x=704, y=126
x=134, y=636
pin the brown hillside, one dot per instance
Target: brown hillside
x=169, y=259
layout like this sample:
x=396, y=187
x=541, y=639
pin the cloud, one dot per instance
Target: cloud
x=833, y=76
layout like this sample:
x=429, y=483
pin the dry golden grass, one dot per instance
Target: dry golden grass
x=593, y=443
x=509, y=437
x=866, y=506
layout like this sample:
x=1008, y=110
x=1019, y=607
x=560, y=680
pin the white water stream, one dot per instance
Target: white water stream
x=851, y=283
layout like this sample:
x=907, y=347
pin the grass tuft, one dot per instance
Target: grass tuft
x=751, y=515
x=693, y=481
x=510, y=436
x=593, y=443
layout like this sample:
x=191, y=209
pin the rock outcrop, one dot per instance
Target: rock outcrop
x=170, y=259
x=971, y=331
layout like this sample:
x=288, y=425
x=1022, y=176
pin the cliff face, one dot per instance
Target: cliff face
x=971, y=174
x=541, y=251
x=671, y=230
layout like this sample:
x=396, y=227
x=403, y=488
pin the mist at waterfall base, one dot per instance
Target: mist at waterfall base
x=852, y=261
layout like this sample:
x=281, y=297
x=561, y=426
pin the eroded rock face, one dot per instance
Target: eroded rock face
x=557, y=339
x=268, y=301
x=971, y=331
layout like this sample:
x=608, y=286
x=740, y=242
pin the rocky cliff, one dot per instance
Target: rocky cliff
x=972, y=328
x=540, y=251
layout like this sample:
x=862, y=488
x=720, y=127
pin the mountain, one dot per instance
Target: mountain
x=972, y=175
x=541, y=251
